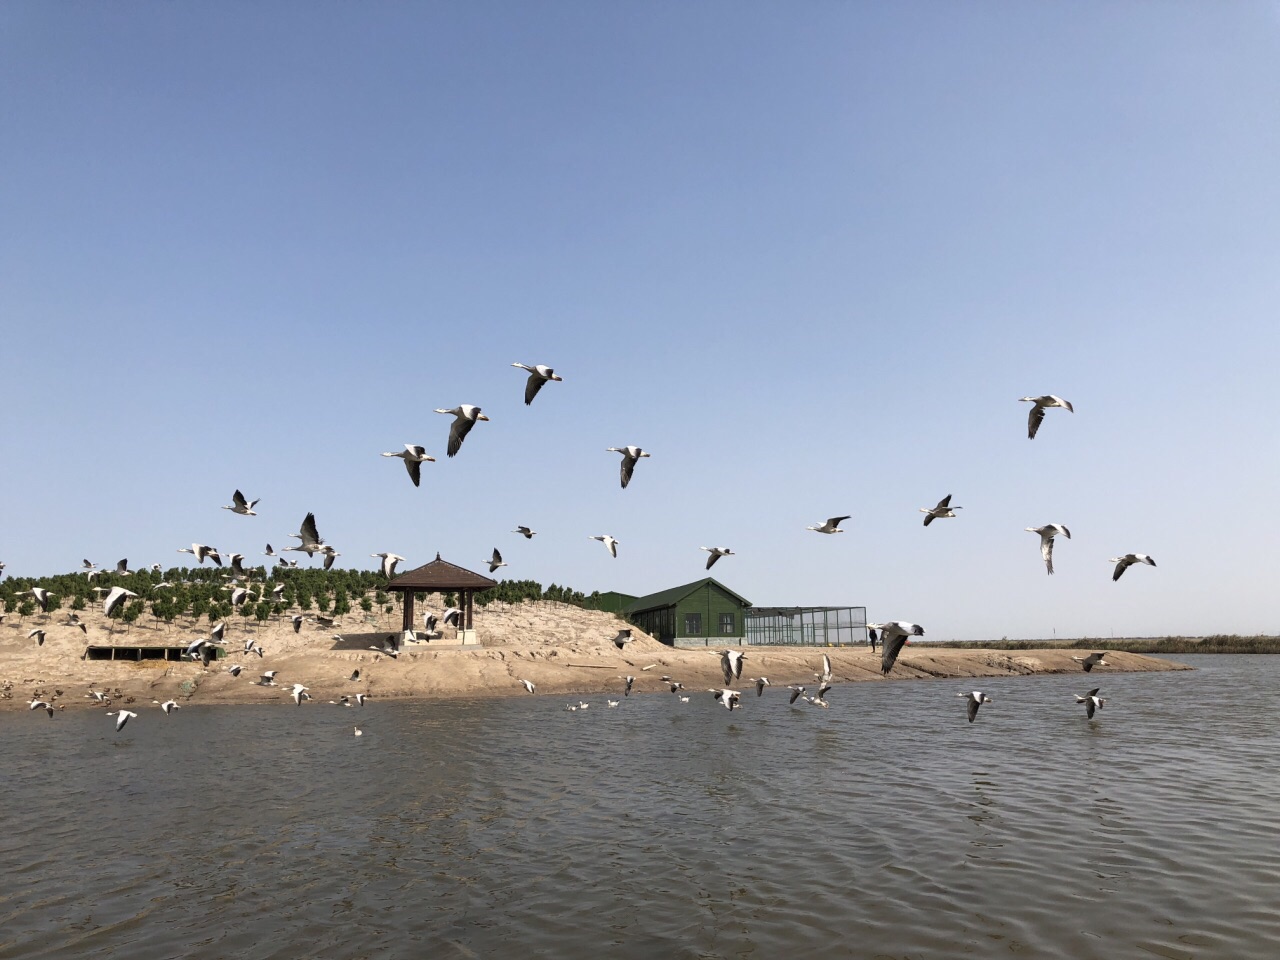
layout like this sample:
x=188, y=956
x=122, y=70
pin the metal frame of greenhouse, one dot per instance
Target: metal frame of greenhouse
x=807, y=626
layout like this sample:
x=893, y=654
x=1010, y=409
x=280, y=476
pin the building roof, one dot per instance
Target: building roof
x=672, y=596
x=440, y=575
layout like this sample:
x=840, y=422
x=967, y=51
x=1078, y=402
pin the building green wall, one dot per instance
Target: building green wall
x=670, y=623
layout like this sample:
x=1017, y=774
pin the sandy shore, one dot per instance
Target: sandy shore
x=560, y=648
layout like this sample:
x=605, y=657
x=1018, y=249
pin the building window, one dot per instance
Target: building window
x=726, y=624
x=693, y=624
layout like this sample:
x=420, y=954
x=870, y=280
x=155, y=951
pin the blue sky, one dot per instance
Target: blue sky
x=809, y=255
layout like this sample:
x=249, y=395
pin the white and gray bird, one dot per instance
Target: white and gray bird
x=465, y=417
x=122, y=717
x=38, y=636
x=832, y=525
x=1091, y=702
x=268, y=679
x=330, y=555
x=976, y=699
x=115, y=598
x=389, y=561
x=1047, y=533
x=414, y=456
x=234, y=669
x=761, y=683
x=525, y=532
x=529, y=685
x=1040, y=404
x=299, y=694
x=893, y=636
x=630, y=456
x=1128, y=560
x=942, y=511
x=496, y=561
x=296, y=620
x=629, y=681
x=731, y=665
x=622, y=639
x=1091, y=661
x=825, y=675
x=37, y=704
x=539, y=374
x=240, y=505
x=797, y=691
x=41, y=597
x=716, y=554
x=200, y=551
x=610, y=544
x=309, y=537
x=168, y=706
x=729, y=699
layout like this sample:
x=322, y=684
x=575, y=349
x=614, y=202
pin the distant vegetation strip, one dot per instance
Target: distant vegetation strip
x=1219, y=643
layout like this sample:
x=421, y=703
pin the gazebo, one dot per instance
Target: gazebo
x=440, y=576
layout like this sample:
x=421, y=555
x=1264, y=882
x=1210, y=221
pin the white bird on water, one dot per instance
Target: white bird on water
x=1091, y=702
x=240, y=505
x=1047, y=533
x=831, y=526
x=122, y=717
x=465, y=417
x=942, y=511
x=630, y=456
x=1128, y=560
x=716, y=554
x=976, y=699
x=389, y=561
x=610, y=544
x=893, y=635
x=414, y=457
x=1037, y=411
x=539, y=374
x=200, y=551
x=496, y=561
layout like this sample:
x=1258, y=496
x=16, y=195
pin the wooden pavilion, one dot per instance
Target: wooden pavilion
x=440, y=576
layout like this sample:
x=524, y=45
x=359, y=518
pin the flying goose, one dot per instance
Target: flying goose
x=465, y=417
x=308, y=535
x=942, y=511
x=525, y=532
x=610, y=544
x=831, y=526
x=729, y=699
x=716, y=554
x=538, y=375
x=389, y=561
x=761, y=683
x=1047, y=533
x=1128, y=560
x=122, y=717
x=38, y=636
x=629, y=680
x=630, y=456
x=797, y=691
x=622, y=639
x=200, y=552
x=1091, y=661
x=168, y=706
x=496, y=561
x=529, y=685
x=41, y=596
x=976, y=699
x=894, y=635
x=37, y=703
x=1037, y=411
x=1091, y=702
x=117, y=596
x=240, y=505
x=731, y=665
x=414, y=457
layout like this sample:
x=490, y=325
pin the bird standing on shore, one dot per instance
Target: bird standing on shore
x=414, y=456
x=894, y=635
x=465, y=417
x=539, y=374
x=630, y=456
x=240, y=505
x=942, y=511
x=832, y=525
x=976, y=699
x=1128, y=560
x=1047, y=533
x=1040, y=404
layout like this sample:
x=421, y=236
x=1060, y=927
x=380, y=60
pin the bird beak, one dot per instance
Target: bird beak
x=482, y=417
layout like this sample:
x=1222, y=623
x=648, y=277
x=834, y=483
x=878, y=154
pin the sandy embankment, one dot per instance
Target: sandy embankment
x=561, y=648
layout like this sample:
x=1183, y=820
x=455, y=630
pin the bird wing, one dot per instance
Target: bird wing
x=458, y=432
x=928, y=518
x=834, y=522
x=328, y=560
x=497, y=557
x=415, y=471
x=826, y=668
x=795, y=693
x=944, y=503
x=1121, y=567
x=726, y=666
x=823, y=690
x=1088, y=708
x=1034, y=419
x=238, y=499
x=310, y=534
x=613, y=548
x=532, y=386
x=1046, y=551
x=889, y=651
x=628, y=467
x=712, y=559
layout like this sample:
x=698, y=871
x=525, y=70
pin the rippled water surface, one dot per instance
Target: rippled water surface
x=885, y=826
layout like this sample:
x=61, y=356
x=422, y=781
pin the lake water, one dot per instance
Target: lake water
x=886, y=826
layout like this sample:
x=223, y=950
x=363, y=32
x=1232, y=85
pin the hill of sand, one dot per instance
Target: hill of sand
x=561, y=648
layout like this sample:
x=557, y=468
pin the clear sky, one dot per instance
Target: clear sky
x=808, y=254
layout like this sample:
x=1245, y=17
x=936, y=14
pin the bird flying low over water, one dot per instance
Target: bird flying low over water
x=122, y=717
x=731, y=664
x=761, y=683
x=1040, y=404
x=976, y=699
x=525, y=532
x=730, y=699
x=37, y=704
x=414, y=457
x=610, y=544
x=240, y=505
x=168, y=706
x=626, y=691
x=630, y=456
x=117, y=596
x=496, y=561
x=1128, y=560
x=831, y=526
x=200, y=552
x=529, y=685
x=539, y=374
x=1047, y=533
x=1091, y=661
x=893, y=635
x=1091, y=702
x=716, y=554
x=465, y=416
x=797, y=691
x=299, y=694
x=942, y=511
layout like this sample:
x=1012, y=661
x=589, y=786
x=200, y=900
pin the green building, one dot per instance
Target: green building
x=612, y=601
x=702, y=613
